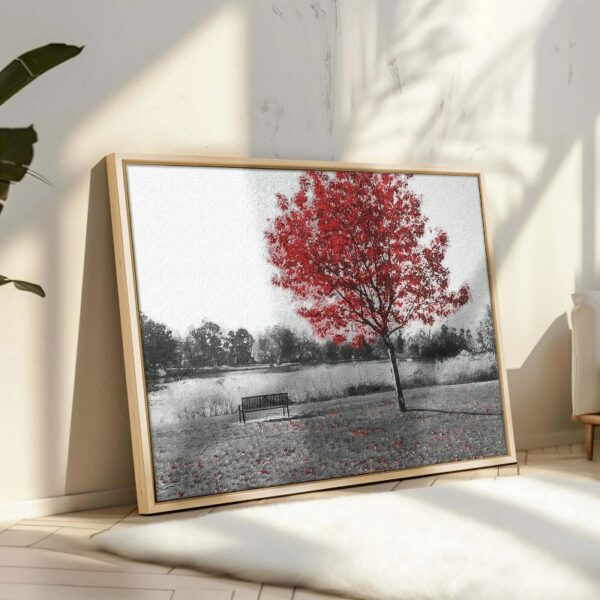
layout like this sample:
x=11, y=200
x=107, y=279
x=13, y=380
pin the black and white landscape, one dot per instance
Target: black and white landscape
x=218, y=326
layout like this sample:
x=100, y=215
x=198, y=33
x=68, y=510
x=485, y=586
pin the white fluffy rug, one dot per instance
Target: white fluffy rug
x=513, y=537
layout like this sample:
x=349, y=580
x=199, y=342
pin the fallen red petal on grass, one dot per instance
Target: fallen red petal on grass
x=360, y=432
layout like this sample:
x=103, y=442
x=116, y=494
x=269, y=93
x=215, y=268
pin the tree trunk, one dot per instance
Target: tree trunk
x=392, y=354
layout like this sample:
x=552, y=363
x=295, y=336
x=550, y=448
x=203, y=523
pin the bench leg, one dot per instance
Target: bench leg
x=244, y=416
x=588, y=440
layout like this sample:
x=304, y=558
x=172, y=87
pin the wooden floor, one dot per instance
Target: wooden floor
x=53, y=558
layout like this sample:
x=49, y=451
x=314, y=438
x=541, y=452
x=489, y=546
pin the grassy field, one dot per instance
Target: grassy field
x=331, y=438
x=220, y=393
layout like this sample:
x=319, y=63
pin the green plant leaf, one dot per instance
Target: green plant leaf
x=4, y=187
x=16, y=154
x=24, y=286
x=29, y=66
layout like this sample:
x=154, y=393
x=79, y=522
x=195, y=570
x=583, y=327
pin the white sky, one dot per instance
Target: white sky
x=200, y=252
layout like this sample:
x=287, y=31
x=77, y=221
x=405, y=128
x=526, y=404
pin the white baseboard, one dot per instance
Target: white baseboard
x=547, y=440
x=41, y=507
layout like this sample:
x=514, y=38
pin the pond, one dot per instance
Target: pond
x=220, y=393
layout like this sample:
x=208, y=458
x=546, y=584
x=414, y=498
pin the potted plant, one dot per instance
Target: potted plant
x=16, y=144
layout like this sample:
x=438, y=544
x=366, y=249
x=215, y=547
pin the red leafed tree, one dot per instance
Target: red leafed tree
x=360, y=258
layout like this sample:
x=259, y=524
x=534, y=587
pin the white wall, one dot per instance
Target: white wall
x=507, y=87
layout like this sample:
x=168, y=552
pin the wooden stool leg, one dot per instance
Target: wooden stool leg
x=588, y=440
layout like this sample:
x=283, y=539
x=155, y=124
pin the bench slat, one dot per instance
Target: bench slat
x=264, y=401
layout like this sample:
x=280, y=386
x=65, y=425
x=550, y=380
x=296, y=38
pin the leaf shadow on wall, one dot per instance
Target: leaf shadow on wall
x=394, y=49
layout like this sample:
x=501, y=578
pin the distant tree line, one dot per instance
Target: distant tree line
x=279, y=344
x=446, y=342
x=204, y=346
x=209, y=345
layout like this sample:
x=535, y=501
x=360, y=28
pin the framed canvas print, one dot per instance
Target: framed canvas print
x=295, y=326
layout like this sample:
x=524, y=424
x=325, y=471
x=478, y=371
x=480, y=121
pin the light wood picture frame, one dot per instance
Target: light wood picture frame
x=292, y=326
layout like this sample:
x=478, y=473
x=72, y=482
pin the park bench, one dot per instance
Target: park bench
x=264, y=402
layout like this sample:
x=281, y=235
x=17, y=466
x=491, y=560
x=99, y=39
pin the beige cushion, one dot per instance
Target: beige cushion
x=585, y=382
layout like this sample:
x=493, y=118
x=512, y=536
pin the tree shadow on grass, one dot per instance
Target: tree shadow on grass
x=454, y=412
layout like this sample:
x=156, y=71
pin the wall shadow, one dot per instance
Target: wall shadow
x=565, y=103
x=99, y=442
x=530, y=386
x=142, y=34
x=283, y=121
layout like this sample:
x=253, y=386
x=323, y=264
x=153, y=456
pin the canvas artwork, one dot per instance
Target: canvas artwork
x=308, y=326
